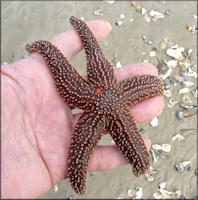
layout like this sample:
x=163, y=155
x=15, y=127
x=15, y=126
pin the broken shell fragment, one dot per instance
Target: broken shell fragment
x=163, y=147
x=146, y=40
x=156, y=15
x=135, y=194
x=56, y=188
x=149, y=177
x=162, y=185
x=98, y=11
x=154, y=156
x=122, y=16
x=167, y=194
x=168, y=12
x=172, y=102
x=119, y=23
x=175, y=53
x=118, y=64
x=191, y=73
x=186, y=131
x=152, y=53
x=184, y=90
x=154, y=122
x=194, y=93
x=184, y=166
x=177, y=137
x=137, y=6
x=188, y=106
x=186, y=99
x=179, y=116
x=171, y=63
x=167, y=93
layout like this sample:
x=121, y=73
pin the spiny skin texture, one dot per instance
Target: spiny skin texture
x=106, y=104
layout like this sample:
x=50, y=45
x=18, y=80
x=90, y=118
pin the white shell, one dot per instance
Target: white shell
x=194, y=93
x=167, y=93
x=172, y=63
x=188, y=83
x=162, y=185
x=184, y=90
x=149, y=177
x=186, y=99
x=143, y=11
x=166, y=147
x=163, y=147
x=118, y=64
x=135, y=194
x=122, y=16
x=154, y=122
x=119, y=23
x=191, y=73
x=152, y=53
x=56, y=188
x=172, y=102
x=175, y=53
x=110, y=2
x=166, y=74
x=167, y=194
x=98, y=11
x=156, y=15
x=178, y=137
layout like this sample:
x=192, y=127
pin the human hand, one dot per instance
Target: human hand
x=37, y=124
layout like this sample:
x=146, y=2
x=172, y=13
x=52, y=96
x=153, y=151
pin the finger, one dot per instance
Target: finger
x=109, y=157
x=69, y=42
x=149, y=108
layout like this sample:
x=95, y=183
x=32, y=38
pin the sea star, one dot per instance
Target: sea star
x=105, y=101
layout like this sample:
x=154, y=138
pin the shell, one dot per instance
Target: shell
x=191, y=73
x=149, y=177
x=186, y=131
x=154, y=156
x=135, y=194
x=166, y=74
x=172, y=102
x=154, y=122
x=184, y=90
x=177, y=137
x=184, y=166
x=56, y=188
x=156, y=15
x=118, y=64
x=186, y=99
x=167, y=93
x=162, y=185
x=163, y=147
x=179, y=116
x=194, y=93
x=98, y=11
x=175, y=53
x=171, y=63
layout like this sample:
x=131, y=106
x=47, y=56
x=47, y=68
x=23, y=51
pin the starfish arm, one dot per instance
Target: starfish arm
x=129, y=140
x=99, y=70
x=85, y=137
x=71, y=86
x=138, y=88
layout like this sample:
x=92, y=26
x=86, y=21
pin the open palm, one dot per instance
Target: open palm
x=37, y=124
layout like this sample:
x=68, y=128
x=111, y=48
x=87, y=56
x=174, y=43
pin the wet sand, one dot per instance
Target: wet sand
x=24, y=22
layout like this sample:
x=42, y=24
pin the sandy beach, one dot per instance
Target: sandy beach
x=136, y=36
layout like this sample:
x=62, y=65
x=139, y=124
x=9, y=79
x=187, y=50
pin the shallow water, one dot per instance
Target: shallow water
x=24, y=22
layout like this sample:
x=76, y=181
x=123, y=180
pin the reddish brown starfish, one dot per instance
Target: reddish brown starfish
x=106, y=104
